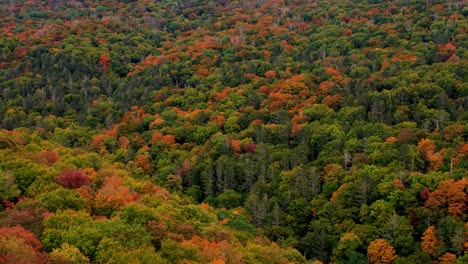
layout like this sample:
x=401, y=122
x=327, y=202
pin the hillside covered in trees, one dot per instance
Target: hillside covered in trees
x=250, y=131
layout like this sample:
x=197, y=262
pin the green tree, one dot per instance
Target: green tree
x=8, y=188
x=229, y=199
x=69, y=254
x=62, y=199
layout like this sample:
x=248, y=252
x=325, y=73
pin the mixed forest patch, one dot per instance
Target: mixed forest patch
x=264, y=131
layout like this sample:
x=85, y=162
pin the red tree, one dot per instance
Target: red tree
x=104, y=62
x=72, y=179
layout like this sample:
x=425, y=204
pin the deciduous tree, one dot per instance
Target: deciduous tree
x=429, y=241
x=379, y=251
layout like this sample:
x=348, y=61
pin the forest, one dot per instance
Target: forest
x=244, y=131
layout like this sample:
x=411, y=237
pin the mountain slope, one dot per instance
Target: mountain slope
x=338, y=127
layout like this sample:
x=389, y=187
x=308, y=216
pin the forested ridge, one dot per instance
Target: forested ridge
x=215, y=131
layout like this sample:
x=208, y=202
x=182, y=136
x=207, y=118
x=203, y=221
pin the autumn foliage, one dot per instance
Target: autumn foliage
x=233, y=131
x=49, y=156
x=448, y=258
x=112, y=196
x=429, y=241
x=72, y=178
x=451, y=194
x=18, y=245
x=23, y=234
x=427, y=149
x=379, y=251
x=104, y=62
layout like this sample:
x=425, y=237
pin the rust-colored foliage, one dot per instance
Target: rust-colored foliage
x=49, y=157
x=427, y=148
x=276, y=105
x=169, y=139
x=385, y=64
x=465, y=244
x=452, y=131
x=143, y=161
x=286, y=45
x=271, y=74
x=246, y=71
x=136, y=114
x=447, y=258
x=446, y=51
x=219, y=120
x=325, y=87
x=18, y=250
x=336, y=193
x=410, y=57
x=112, y=132
x=462, y=154
x=185, y=167
x=450, y=194
x=406, y=136
x=203, y=72
x=152, y=60
x=295, y=129
x=97, y=140
x=157, y=121
x=112, y=195
x=157, y=230
x=236, y=146
x=334, y=73
x=216, y=252
x=436, y=160
x=464, y=150
x=124, y=142
x=360, y=158
x=156, y=137
x=257, y=122
x=398, y=184
x=391, y=140
x=25, y=235
x=379, y=251
x=429, y=241
x=299, y=118
x=332, y=101
x=104, y=62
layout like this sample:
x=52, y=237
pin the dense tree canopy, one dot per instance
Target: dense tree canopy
x=217, y=131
